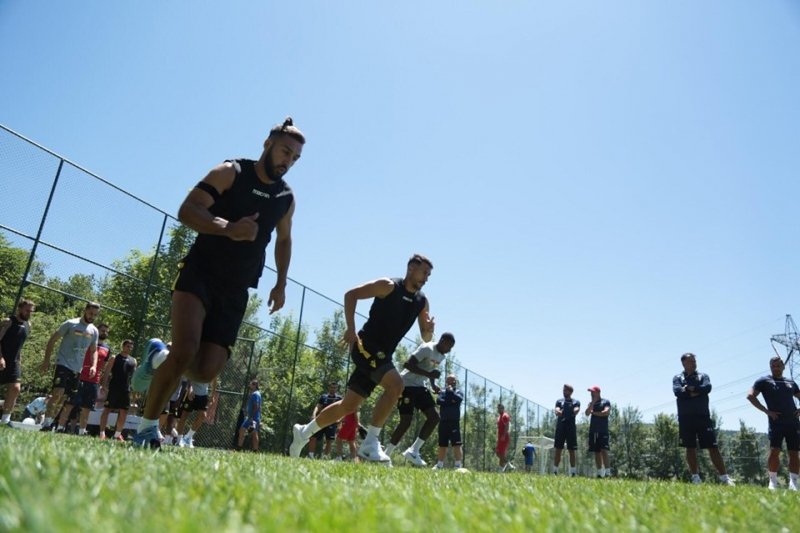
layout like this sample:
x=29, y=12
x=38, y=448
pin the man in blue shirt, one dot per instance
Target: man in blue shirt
x=779, y=393
x=694, y=419
x=599, y=409
x=252, y=423
x=529, y=453
x=566, y=410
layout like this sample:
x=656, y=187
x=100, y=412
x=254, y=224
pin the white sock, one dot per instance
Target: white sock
x=390, y=448
x=168, y=440
x=59, y=428
x=417, y=445
x=601, y=472
x=117, y=434
x=310, y=428
x=723, y=477
x=47, y=421
x=190, y=434
x=571, y=470
x=440, y=464
x=608, y=471
x=310, y=455
x=793, y=477
x=81, y=432
x=372, y=433
x=555, y=470
x=6, y=418
x=145, y=423
x=174, y=433
x=458, y=464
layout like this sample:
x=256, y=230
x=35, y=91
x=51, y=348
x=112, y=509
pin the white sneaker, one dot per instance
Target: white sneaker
x=437, y=467
x=324, y=457
x=373, y=451
x=182, y=442
x=510, y=467
x=696, y=480
x=772, y=484
x=729, y=482
x=409, y=455
x=187, y=441
x=297, y=442
x=338, y=460
x=793, y=485
x=166, y=441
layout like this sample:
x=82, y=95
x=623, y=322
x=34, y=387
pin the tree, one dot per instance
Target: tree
x=665, y=460
x=628, y=436
x=746, y=451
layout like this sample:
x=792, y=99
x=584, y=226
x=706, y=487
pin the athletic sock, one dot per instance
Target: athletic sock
x=608, y=472
x=572, y=471
x=601, y=472
x=390, y=448
x=81, y=432
x=190, y=434
x=48, y=421
x=6, y=418
x=60, y=428
x=458, y=464
x=440, y=464
x=310, y=455
x=146, y=423
x=555, y=470
x=309, y=429
x=117, y=434
x=372, y=433
x=723, y=478
x=417, y=445
x=793, y=477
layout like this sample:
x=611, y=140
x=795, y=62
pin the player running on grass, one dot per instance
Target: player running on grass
x=396, y=304
x=234, y=210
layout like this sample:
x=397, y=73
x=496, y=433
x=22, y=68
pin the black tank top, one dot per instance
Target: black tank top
x=390, y=318
x=11, y=344
x=121, y=374
x=242, y=262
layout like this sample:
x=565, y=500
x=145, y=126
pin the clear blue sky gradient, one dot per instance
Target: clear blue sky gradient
x=601, y=186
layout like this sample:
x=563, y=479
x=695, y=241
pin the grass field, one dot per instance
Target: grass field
x=66, y=483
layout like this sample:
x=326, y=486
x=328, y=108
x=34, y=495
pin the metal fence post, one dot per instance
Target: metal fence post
x=466, y=405
x=294, y=367
x=38, y=236
x=146, y=302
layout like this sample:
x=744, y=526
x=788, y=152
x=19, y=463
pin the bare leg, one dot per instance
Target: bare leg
x=794, y=462
x=121, y=417
x=572, y=458
x=104, y=420
x=442, y=455
x=606, y=460
x=84, y=419
x=55, y=402
x=691, y=460
x=557, y=457
x=392, y=385
x=12, y=393
x=431, y=421
x=400, y=430
x=716, y=459
x=457, y=453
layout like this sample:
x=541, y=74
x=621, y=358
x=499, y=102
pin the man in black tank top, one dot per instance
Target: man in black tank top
x=397, y=304
x=116, y=381
x=234, y=210
x=14, y=331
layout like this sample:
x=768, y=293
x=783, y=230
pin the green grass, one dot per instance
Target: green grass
x=65, y=483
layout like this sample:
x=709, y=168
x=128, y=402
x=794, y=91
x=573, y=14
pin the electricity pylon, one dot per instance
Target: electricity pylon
x=791, y=340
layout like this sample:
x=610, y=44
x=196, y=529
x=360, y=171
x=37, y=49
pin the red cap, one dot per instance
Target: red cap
x=594, y=388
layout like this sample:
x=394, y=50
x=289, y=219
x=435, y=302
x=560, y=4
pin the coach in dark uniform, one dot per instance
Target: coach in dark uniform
x=234, y=210
x=691, y=389
x=397, y=304
x=329, y=432
x=779, y=393
x=14, y=331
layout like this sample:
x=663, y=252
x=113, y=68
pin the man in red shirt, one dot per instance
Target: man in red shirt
x=86, y=397
x=503, y=437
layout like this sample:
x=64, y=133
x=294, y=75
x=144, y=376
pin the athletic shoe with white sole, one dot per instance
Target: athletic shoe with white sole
x=149, y=438
x=153, y=354
x=373, y=451
x=793, y=485
x=772, y=485
x=409, y=455
x=297, y=442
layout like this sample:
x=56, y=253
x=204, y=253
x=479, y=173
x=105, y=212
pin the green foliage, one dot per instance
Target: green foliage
x=43, y=475
x=665, y=458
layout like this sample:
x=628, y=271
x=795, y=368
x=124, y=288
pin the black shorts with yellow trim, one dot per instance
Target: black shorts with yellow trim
x=418, y=398
x=225, y=302
x=370, y=369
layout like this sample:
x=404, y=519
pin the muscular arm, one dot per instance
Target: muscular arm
x=283, y=246
x=380, y=288
x=194, y=210
x=107, y=371
x=4, y=325
x=426, y=324
x=412, y=365
x=48, y=351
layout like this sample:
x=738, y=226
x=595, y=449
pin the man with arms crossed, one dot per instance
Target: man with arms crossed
x=449, y=402
x=691, y=389
x=234, y=210
x=423, y=363
x=779, y=393
x=599, y=409
x=77, y=336
x=14, y=331
x=397, y=303
x=566, y=410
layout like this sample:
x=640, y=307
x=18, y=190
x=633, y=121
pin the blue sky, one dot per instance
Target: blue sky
x=601, y=186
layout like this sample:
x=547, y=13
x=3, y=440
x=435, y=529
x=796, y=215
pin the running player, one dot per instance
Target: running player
x=14, y=331
x=350, y=426
x=120, y=368
x=529, y=453
x=423, y=363
x=397, y=304
x=234, y=209
x=779, y=393
x=198, y=401
x=566, y=410
x=77, y=336
x=328, y=432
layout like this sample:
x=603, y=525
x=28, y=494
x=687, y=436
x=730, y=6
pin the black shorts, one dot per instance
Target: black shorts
x=172, y=409
x=11, y=373
x=790, y=432
x=328, y=432
x=66, y=379
x=28, y=414
x=568, y=433
x=598, y=441
x=118, y=400
x=449, y=433
x=198, y=403
x=415, y=398
x=369, y=371
x=86, y=396
x=692, y=429
x=225, y=303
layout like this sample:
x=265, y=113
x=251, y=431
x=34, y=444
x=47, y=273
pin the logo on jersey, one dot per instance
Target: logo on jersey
x=381, y=355
x=283, y=193
x=406, y=298
x=260, y=193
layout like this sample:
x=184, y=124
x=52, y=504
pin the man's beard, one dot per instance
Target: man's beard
x=269, y=168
